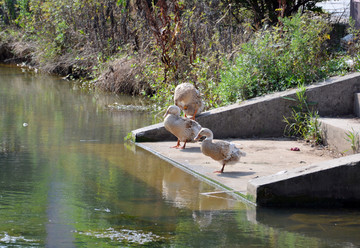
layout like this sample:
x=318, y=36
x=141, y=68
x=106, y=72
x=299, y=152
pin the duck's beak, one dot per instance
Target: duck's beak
x=197, y=137
x=166, y=113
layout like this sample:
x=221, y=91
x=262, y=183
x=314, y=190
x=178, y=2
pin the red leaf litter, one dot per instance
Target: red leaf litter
x=296, y=149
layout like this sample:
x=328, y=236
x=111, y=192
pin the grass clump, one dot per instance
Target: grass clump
x=353, y=138
x=303, y=122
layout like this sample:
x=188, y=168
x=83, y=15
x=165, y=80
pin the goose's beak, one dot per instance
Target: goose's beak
x=197, y=137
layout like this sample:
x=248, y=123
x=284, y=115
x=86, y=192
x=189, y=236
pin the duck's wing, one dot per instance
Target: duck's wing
x=176, y=125
x=233, y=154
x=215, y=150
x=192, y=128
x=185, y=94
x=225, y=148
x=229, y=151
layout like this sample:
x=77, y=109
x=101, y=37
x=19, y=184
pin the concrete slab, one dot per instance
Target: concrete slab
x=264, y=157
x=333, y=183
x=335, y=131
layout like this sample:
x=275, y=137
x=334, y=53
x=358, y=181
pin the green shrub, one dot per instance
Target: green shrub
x=294, y=52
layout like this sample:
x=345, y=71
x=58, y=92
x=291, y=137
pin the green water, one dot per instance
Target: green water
x=68, y=179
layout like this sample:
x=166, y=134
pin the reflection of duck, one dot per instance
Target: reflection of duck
x=222, y=151
x=203, y=218
x=184, y=129
x=180, y=189
x=188, y=99
x=184, y=191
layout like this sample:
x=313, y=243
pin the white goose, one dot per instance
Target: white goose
x=222, y=151
x=188, y=99
x=183, y=128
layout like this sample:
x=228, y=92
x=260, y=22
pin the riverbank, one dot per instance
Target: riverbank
x=140, y=62
x=273, y=174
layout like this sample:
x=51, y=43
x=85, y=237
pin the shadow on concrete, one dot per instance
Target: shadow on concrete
x=235, y=174
x=191, y=149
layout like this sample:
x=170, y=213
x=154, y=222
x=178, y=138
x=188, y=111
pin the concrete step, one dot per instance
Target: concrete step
x=341, y=134
x=357, y=104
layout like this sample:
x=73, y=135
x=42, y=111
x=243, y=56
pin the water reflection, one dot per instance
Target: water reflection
x=336, y=225
x=67, y=179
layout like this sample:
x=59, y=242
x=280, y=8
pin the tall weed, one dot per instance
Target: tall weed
x=303, y=121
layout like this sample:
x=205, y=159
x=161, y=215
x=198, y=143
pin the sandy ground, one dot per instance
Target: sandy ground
x=263, y=157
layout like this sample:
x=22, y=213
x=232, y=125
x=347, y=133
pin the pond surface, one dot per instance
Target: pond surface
x=68, y=179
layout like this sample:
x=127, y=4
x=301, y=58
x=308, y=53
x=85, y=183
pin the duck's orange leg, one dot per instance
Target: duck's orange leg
x=222, y=169
x=193, y=117
x=183, y=147
x=177, y=145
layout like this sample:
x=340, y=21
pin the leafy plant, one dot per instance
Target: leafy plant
x=129, y=137
x=353, y=43
x=304, y=120
x=353, y=137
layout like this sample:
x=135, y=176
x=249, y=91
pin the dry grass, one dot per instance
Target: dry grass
x=120, y=77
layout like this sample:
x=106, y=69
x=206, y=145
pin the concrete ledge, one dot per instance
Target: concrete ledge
x=264, y=157
x=334, y=133
x=156, y=132
x=263, y=116
x=326, y=184
x=200, y=174
x=357, y=104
